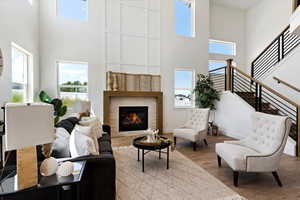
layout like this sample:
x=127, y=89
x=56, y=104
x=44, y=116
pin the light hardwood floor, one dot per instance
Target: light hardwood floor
x=251, y=186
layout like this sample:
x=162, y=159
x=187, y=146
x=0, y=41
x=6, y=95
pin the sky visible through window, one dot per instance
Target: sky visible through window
x=71, y=72
x=72, y=9
x=183, y=19
x=219, y=47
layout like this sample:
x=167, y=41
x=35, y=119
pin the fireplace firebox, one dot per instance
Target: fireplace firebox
x=133, y=118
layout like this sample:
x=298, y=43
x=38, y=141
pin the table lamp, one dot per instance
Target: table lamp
x=28, y=125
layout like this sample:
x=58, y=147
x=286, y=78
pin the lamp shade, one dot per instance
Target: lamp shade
x=28, y=125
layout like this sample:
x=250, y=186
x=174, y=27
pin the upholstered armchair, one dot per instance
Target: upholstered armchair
x=195, y=129
x=261, y=150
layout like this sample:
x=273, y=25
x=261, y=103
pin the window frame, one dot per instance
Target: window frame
x=193, y=21
x=28, y=73
x=81, y=20
x=186, y=89
x=58, y=75
x=224, y=42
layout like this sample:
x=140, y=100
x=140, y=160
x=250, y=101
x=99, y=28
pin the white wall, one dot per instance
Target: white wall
x=19, y=22
x=178, y=51
x=288, y=70
x=72, y=40
x=228, y=24
x=264, y=22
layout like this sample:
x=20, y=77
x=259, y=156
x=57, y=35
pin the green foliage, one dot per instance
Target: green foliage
x=59, y=109
x=69, y=102
x=206, y=95
x=17, y=97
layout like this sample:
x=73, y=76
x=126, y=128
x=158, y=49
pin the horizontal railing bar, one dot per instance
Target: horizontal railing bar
x=266, y=87
x=217, y=69
x=278, y=100
x=266, y=62
x=265, y=56
x=280, y=107
x=242, y=82
x=266, y=69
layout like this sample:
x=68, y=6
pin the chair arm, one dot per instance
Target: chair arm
x=262, y=162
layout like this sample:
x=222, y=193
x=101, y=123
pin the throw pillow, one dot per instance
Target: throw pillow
x=93, y=122
x=61, y=143
x=82, y=142
x=68, y=124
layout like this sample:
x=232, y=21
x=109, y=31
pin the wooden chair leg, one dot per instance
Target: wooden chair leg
x=235, y=178
x=175, y=141
x=205, y=142
x=275, y=174
x=219, y=161
x=195, y=146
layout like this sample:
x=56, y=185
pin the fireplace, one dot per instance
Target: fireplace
x=133, y=118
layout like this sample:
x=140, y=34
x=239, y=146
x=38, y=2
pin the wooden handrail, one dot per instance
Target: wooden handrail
x=287, y=84
x=266, y=87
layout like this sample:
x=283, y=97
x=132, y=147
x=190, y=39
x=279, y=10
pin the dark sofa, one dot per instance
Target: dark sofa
x=99, y=182
x=99, y=179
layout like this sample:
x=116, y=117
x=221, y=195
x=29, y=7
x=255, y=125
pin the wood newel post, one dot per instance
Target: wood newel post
x=229, y=75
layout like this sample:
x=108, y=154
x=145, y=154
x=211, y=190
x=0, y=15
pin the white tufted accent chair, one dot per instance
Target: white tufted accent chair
x=261, y=150
x=195, y=129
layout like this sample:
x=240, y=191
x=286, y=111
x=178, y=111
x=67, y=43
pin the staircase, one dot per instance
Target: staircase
x=261, y=97
x=276, y=51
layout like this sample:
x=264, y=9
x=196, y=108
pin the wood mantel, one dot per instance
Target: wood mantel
x=157, y=95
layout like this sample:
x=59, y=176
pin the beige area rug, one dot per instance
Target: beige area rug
x=185, y=180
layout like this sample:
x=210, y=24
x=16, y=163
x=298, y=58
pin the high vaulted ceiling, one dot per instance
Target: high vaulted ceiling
x=241, y=4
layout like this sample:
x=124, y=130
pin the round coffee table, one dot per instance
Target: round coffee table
x=146, y=148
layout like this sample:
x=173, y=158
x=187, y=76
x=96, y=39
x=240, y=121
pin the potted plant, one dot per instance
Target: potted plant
x=59, y=109
x=205, y=94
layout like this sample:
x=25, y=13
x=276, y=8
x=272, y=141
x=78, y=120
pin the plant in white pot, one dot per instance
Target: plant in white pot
x=205, y=94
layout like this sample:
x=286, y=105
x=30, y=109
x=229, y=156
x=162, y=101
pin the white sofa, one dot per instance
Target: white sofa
x=261, y=150
x=195, y=129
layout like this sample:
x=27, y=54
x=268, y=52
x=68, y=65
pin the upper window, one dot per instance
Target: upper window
x=222, y=47
x=215, y=64
x=73, y=81
x=20, y=75
x=185, y=17
x=184, y=83
x=75, y=9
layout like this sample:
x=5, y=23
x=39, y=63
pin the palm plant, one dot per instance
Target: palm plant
x=205, y=94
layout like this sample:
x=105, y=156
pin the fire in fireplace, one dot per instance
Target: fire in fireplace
x=133, y=118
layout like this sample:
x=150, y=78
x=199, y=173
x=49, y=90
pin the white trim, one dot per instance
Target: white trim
x=187, y=89
x=57, y=62
x=29, y=72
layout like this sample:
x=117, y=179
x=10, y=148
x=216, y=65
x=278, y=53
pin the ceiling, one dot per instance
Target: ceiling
x=241, y=4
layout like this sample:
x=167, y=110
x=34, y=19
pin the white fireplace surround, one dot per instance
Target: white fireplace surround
x=117, y=102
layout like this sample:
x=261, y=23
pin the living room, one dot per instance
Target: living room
x=138, y=75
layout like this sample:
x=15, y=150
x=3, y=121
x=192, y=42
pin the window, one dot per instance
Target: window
x=221, y=47
x=72, y=81
x=72, y=9
x=185, y=17
x=184, y=83
x=215, y=64
x=21, y=60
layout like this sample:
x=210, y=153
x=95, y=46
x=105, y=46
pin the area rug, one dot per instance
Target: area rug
x=184, y=180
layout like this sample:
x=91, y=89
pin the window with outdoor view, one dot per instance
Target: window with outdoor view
x=75, y=9
x=20, y=75
x=185, y=18
x=184, y=83
x=73, y=81
x=222, y=47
